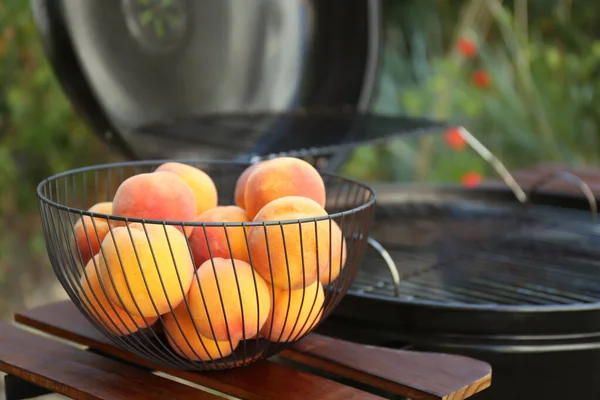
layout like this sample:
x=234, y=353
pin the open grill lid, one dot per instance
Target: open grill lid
x=220, y=78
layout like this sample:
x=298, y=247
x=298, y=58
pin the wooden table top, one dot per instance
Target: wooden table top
x=35, y=350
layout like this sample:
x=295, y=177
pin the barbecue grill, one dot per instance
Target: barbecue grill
x=482, y=274
x=498, y=273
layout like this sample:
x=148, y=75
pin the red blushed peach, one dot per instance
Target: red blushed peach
x=220, y=240
x=155, y=196
x=291, y=255
x=338, y=255
x=89, y=232
x=240, y=185
x=231, y=302
x=282, y=177
x=205, y=191
x=146, y=269
x=182, y=335
x=112, y=317
x=294, y=313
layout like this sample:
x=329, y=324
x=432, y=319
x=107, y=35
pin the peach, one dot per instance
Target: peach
x=240, y=185
x=338, y=255
x=202, y=185
x=146, y=268
x=112, y=317
x=282, y=177
x=183, y=336
x=89, y=232
x=158, y=196
x=220, y=239
x=231, y=299
x=294, y=313
x=280, y=253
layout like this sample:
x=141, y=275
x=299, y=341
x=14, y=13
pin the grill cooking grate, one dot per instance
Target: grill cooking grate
x=469, y=253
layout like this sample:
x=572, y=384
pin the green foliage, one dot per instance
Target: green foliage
x=39, y=135
x=543, y=62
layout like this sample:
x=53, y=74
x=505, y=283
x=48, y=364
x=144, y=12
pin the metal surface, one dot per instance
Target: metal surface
x=64, y=199
x=129, y=63
x=479, y=262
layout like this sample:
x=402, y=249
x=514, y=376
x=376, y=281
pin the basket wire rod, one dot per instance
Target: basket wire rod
x=498, y=166
x=389, y=261
x=181, y=330
x=289, y=281
x=222, y=303
x=231, y=257
x=257, y=348
x=183, y=291
x=312, y=307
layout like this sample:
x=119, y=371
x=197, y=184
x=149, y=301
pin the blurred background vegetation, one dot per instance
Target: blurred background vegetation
x=522, y=75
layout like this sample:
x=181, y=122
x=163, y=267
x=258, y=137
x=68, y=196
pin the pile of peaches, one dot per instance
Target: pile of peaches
x=211, y=286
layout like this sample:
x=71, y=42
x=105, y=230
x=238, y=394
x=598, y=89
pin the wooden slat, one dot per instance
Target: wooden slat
x=262, y=380
x=78, y=374
x=417, y=375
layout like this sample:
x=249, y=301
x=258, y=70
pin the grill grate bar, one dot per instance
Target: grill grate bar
x=477, y=252
x=550, y=269
x=497, y=285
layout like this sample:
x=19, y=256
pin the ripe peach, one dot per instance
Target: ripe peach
x=146, y=268
x=232, y=296
x=294, y=313
x=338, y=255
x=92, y=229
x=184, y=337
x=220, y=239
x=158, y=196
x=205, y=191
x=280, y=253
x=240, y=185
x=109, y=315
x=281, y=177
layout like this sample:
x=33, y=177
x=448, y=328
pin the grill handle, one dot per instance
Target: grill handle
x=568, y=178
x=389, y=261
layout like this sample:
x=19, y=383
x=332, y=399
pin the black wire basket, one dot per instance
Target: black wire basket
x=139, y=283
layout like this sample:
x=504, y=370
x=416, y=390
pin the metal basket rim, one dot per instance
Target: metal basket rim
x=73, y=210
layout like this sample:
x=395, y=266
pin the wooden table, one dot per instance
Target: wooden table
x=55, y=349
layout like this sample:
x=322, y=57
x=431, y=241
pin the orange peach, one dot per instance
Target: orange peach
x=240, y=185
x=147, y=269
x=205, y=191
x=157, y=196
x=184, y=337
x=294, y=313
x=280, y=253
x=281, y=177
x=110, y=316
x=232, y=300
x=338, y=255
x=89, y=232
x=220, y=239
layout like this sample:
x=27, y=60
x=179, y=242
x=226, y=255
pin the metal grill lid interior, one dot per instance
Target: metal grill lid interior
x=219, y=78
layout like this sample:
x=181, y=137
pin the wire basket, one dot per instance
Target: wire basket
x=144, y=290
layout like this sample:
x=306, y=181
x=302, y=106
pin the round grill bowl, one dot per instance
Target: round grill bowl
x=144, y=267
x=477, y=265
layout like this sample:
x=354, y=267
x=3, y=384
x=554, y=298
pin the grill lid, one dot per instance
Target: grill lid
x=191, y=78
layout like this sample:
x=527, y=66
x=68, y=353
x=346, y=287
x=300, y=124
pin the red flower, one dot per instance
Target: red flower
x=471, y=179
x=481, y=79
x=466, y=47
x=454, y=139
